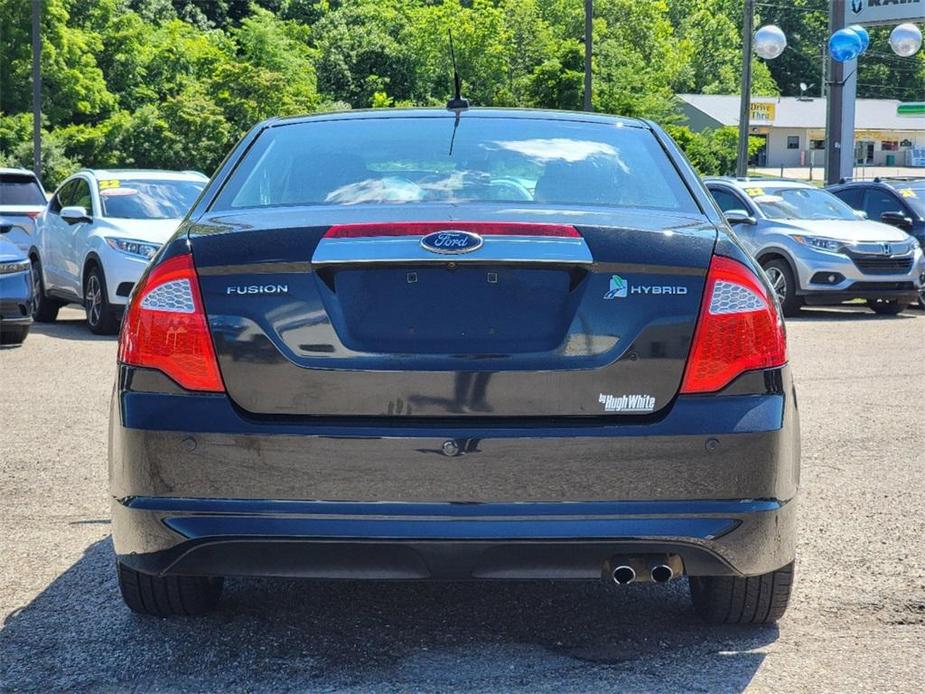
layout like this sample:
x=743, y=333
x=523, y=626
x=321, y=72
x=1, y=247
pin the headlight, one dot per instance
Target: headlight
x=139, y=249
x=821, y=243
x=14, y=266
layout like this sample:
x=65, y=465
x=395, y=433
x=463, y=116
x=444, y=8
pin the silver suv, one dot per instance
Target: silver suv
x=816, y=250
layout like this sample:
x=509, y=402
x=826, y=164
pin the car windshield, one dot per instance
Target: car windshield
x=393, y=161
x=19, y=189
x=914, y=195
x=148, y=198
x=800, y=203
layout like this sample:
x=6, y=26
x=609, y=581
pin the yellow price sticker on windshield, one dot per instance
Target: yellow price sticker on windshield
x=907, y=193
x=107, y=183
x=754, y=192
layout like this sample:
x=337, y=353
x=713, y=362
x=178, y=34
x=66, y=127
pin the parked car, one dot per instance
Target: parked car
x=22, y=199
x=98, y=234
x=899, y=202
x=406, y=344
x=816, y=250
x=15, y=290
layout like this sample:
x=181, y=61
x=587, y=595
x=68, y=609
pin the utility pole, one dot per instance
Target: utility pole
x=748, y=30
x=589, y=12
x=37, y=87
x=839, y=121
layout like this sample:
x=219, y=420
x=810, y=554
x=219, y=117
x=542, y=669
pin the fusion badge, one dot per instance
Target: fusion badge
x=257, y=289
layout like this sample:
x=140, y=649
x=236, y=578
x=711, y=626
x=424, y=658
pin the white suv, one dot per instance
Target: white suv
x=97, y=235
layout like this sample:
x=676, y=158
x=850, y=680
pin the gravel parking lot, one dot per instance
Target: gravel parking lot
x=857, y=621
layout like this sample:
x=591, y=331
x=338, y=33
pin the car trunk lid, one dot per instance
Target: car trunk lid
x=498, y=313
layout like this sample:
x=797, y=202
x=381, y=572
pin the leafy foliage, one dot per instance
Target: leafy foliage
x=174, y=83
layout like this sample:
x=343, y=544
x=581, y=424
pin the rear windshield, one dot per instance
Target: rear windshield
x=19, y=189
x=148, y=199
x=411, y=160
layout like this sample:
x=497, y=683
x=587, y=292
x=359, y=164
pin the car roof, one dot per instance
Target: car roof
x=893, y=182
x=436, y=112
x=743, y=183
x=136, y=174
x=17, y=171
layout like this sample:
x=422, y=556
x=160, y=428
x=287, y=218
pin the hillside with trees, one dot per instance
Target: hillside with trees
x=174, y=83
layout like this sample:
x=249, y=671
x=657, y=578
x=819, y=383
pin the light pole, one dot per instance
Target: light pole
x=745, y=104
x=37, y=87
x=589, y=12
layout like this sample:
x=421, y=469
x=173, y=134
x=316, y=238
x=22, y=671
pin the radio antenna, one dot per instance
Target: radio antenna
x=457, y=103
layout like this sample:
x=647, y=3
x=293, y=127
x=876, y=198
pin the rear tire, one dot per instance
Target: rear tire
x=168, y=596
x=13, y=334
x=101, y=317
x=734, y=600
x=887, y=308
x=784, y=285
x=44, y=310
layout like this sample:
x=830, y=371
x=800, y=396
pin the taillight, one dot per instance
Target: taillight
x=33, y=215
x=739, y=329
x=165, y=327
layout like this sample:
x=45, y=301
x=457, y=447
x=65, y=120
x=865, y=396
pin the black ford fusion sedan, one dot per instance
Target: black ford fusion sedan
x=432, y=345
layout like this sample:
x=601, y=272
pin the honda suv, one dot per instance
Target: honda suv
x=476, y=345
x=97, y=235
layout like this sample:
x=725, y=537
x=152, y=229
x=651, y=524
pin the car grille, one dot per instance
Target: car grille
x=883, y=266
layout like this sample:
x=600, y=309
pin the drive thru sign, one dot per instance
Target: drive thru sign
x=869, y=12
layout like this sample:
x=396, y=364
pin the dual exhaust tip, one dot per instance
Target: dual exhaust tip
x=658, y=569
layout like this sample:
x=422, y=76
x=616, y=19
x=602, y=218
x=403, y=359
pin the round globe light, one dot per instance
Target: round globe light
x=906, y=40
x=770, y=42
x=844, y=45
x=863, y=35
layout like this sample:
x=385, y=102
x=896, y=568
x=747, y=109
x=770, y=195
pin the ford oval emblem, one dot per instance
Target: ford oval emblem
x=452, y=241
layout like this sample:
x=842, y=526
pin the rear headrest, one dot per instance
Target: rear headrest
x=313, y=180
x=590, y=181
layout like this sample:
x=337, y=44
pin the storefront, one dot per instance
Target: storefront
x=794, y=129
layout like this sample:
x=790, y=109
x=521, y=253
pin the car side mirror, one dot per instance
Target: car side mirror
x=896, y=219
x=860, y=214
x=75, y=214
x=739, y=217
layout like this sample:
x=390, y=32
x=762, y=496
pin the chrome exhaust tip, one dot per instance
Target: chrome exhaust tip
x=661, y=573
x=623, y=575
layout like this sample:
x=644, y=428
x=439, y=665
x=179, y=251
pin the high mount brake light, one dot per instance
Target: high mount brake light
x=341, y=231
x=739, y=329
x=165, y=327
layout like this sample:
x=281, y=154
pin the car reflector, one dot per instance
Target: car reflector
x=165, y=327
x=739, y=329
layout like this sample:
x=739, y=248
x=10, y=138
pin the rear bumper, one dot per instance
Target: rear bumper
x=447, y=542
x=199, y=487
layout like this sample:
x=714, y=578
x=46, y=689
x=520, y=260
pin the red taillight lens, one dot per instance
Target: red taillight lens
x=739, y=329
x=165, y=327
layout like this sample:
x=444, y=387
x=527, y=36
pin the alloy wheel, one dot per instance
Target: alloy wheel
x=94, y=300
x=778, y=283
x=36, y=287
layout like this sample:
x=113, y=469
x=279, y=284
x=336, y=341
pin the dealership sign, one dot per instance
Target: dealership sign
x=883, y=11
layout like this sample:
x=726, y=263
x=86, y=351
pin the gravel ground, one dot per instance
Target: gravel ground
x=857, y=621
